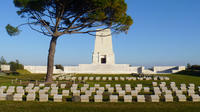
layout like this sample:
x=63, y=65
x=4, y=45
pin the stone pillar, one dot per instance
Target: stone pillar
x=103, y=51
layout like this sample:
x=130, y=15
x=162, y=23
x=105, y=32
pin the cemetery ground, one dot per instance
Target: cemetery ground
x=50, y=106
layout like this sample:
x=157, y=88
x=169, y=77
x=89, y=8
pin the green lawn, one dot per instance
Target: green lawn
x=11, y=106
x=7, y=79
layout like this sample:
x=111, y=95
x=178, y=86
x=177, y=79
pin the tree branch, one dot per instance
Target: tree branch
x=43, y=23
x=90, y=31
x=38, y=30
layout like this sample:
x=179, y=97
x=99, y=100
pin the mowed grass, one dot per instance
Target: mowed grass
x=10, y=106
x=7, y=79
x=24, y=106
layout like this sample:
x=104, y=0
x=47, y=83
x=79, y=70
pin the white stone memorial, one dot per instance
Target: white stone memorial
x=57, y=98
x=65, y=92
x=103, y=62
x=17, y=97
x=84, y=98
x=168, y=98
x=113, y=98
x=195, y=98
x=140, y=98
x=3, y=97
x=181, y=98
x=155, y=98
x=98, y=98
x=134, y=93
x=62, y=86
x=127, y=98
x=30, y=97
x=43, y=97
x=5, y=67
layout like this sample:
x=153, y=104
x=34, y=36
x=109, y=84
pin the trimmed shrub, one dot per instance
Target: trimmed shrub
x=59, y=67
x=16, y=65
x=195, y=67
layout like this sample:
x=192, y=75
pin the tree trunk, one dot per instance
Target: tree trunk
x=50, y=63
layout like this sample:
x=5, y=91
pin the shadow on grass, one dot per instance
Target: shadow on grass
x=190, y=72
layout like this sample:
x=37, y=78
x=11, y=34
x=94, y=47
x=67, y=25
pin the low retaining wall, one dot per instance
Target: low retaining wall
x=107, y=69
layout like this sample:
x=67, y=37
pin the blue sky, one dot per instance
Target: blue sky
x=165, y=32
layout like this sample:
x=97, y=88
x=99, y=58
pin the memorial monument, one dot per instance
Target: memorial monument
x=103, y=51
x=103, y=62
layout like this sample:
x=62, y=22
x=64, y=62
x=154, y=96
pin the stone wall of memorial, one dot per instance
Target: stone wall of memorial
x=36, y=69
x=41, y=69
x=167, y=69
x=5, y=67
x=107, y=69
x=104, y=68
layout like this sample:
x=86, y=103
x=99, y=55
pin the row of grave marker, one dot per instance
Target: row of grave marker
x=98, y=78
x=159, y=90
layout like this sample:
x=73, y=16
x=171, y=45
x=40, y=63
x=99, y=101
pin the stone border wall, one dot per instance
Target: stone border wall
x=107, y=69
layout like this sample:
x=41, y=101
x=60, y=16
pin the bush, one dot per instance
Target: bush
x=59, y=67
x=2, y=61
x=195, y=67
x=192, y=67
x=15, y=66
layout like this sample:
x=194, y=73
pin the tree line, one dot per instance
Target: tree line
x=193, y=67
